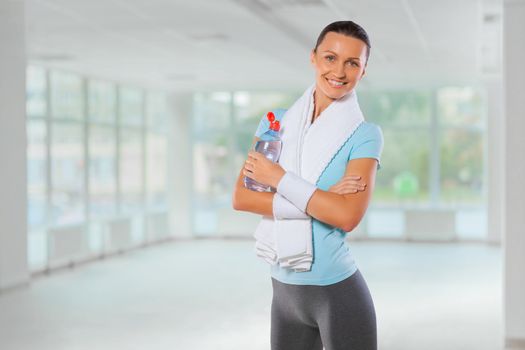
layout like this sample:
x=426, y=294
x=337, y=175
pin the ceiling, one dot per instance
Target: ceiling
x=204, y=45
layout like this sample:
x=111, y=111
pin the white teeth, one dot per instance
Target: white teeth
x=337, y=83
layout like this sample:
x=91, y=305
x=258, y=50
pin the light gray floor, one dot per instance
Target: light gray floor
x=210, y=294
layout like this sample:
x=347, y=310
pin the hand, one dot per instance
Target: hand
x=348, y=184
x=262, y=170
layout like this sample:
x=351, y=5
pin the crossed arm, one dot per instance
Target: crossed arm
x=339, y=210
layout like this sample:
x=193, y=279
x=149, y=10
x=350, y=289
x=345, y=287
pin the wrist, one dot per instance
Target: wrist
x=284, y=209
x=278, y=179
x=296, y=189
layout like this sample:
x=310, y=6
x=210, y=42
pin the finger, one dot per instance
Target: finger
x=354, y=182
x=350, y=178
x=250, y=166
x=357, y=187
x=353, y=177
x=353, y=188
x=253, y=154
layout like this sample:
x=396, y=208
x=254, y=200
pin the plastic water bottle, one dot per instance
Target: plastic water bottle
x=270, y=145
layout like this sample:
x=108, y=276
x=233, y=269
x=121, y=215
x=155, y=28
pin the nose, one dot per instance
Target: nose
x=339, y=71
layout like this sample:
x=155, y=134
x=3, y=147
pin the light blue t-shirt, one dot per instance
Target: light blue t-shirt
x=332, y=258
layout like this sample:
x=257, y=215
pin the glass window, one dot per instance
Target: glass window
x=213, y=177
x=404, y=175
x=250, y=107
x=131, y=106
x=67, y=173
x=131, y=168
x=396, y=107
x=37, y=251
x=244, y=142
x=213, y=132
x=213, y=181
x=36, y=92
x=471, y=224
x=156, y=112
x=460, y=106
x=462, y=172
x=66, y=96
x=57, y=167
x=36, y=173
x=156, y=170
x=102, y=171
x=212, y=111
x=101, y=102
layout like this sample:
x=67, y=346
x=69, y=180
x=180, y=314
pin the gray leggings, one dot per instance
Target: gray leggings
x=340, y=316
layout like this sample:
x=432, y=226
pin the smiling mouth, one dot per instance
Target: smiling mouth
x=336, y=83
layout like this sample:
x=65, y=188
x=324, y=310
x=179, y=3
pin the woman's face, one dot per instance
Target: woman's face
x=340, y=63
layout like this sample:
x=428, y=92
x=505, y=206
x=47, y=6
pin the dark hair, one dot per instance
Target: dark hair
x=348, y=28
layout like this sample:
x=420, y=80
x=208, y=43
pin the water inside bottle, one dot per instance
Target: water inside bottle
x=272, y=151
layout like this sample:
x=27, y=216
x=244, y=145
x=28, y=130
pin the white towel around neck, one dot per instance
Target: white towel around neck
x=307, y=149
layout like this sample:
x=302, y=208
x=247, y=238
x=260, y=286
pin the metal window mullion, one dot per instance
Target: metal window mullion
x=485, y=141
x=102, y=124
x=435, y=153
x=233, y=137
x=192, y=133
x=49, y=182
x=85, y=124
x=143, y=133
x=118, y=190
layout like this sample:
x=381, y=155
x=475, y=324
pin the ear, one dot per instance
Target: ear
x=363, y=74
x=312, y=57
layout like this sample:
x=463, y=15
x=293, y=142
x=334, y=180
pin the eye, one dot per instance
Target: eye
x=330, y=58
x=354, y=63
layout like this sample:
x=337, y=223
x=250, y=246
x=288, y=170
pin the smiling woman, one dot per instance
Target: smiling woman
x=340, y=60
x=320, y=297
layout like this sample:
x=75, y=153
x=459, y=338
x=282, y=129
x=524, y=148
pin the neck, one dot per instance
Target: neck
x=321, y=102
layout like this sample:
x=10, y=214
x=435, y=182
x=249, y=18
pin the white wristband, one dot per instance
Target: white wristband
x=296, y=189
x=284, y=209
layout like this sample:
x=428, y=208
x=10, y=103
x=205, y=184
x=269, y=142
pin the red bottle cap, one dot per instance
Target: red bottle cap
x=275, y=126
x=270, y=116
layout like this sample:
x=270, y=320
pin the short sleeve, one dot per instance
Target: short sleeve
x=369, y=145
x=264, y=124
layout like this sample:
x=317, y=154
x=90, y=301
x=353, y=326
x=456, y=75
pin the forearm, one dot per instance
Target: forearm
x=252, y=201
x=332, y=209
x=255, y=202
x=324, y=206
x=339, y=210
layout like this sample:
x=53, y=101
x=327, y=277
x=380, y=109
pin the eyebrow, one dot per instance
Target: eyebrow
x=350, y=58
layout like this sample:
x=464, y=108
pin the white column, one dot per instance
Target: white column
x=180, y=165
x=514, y=202
x=13, y=227
x=495, y=155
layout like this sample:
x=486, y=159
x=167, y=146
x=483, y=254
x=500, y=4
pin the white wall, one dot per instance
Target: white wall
x=514, y=201
x=13, y=230
x=180, y=165
x=495, y=158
